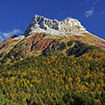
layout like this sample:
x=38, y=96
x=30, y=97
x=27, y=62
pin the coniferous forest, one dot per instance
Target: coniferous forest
x=76, y=77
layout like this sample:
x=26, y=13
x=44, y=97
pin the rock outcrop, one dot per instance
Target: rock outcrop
x=68, y=26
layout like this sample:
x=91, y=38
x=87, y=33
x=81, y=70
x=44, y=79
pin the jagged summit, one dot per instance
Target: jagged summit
x=69, y=26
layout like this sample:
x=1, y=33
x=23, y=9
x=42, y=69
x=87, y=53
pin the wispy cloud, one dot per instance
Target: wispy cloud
x=95, y=2
x=89, y=13
x=4, y=35
x=1, y=38
x=62, y=13
x=15, y=31
x=86, y=1
x=102, y=12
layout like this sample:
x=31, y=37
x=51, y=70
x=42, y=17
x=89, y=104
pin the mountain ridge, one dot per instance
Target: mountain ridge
x=64, y=27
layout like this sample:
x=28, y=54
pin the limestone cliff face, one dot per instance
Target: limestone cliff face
x=68, y=26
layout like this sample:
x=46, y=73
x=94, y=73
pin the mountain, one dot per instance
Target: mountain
x=66, y=27
x=52, y=63
x=43, y=33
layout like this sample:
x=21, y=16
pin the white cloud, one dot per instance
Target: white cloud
x=89, y=13
x=6, y=34
x=13, y=32
x=86, y=1
x=95, y=2
x=1, y=38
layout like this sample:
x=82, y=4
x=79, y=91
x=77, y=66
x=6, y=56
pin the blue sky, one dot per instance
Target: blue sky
x=15, y=15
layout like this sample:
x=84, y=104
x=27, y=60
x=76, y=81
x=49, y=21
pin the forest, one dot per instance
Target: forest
x=76, y=77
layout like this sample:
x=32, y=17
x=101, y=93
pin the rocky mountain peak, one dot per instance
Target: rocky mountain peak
x=69, y=26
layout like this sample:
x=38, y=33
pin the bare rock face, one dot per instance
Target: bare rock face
x=68, y=26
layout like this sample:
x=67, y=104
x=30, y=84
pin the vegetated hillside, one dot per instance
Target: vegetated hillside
x=7, y=45
x=74, y=74
x=13, y=49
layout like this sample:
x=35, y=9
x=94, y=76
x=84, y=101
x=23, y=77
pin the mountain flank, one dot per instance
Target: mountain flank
x=52, y=63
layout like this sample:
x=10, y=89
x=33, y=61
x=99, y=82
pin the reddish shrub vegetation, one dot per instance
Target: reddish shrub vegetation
x=42, y=44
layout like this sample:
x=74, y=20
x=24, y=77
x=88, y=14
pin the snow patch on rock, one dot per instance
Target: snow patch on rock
x=20, y=37
x=68, y=26
x=48, y=31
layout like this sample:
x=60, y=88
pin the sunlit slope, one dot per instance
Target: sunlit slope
x=13, y=49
